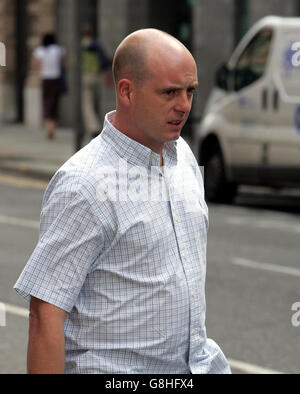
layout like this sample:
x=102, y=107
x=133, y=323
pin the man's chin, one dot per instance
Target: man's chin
x=174, y=136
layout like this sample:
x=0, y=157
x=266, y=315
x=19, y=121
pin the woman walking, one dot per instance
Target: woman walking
x=49, y=62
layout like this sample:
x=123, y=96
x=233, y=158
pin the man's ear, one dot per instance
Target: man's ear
x=124, y=91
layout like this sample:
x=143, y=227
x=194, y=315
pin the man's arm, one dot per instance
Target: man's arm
x=46, y=345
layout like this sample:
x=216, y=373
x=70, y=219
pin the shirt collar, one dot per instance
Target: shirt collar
x=133, y=151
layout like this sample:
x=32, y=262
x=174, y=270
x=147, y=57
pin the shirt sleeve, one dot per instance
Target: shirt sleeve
x=69, y=243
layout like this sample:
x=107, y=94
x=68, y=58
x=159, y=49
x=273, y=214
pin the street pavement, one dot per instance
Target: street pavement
x=28, y=152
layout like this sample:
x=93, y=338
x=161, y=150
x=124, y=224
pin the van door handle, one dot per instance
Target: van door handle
x=275, y=100
x=265, y=99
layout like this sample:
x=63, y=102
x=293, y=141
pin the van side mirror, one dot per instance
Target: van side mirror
x=222, y=77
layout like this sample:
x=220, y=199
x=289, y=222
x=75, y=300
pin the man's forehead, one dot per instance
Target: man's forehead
x=175, y=73
x=161, y=55
x=169, y=55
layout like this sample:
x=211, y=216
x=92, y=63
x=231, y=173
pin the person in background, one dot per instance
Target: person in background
x=49, y=61
x=95, y=63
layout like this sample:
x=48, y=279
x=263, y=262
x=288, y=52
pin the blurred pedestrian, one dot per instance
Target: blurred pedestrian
x=117, y=284
x=96, y=67
x=49, y=61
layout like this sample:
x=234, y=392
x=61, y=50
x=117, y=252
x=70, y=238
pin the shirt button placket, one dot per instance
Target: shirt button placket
x=185, y=262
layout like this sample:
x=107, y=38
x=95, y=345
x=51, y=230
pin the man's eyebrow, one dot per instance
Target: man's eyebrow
x=172, y=87
x=179, y=87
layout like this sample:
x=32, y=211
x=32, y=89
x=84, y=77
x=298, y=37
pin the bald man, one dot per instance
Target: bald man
x=116, y=283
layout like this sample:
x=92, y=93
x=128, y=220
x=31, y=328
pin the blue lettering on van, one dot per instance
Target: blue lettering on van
x=242, y=102
x=288, y=56
x=296, y=55
x=297, y=118
x=246, y=102
x=290, y=60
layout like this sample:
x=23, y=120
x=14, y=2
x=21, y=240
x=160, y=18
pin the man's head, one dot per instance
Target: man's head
x=130, y=59
x=88, y=31
x=155, y=76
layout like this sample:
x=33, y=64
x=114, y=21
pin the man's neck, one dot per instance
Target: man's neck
x=161, y=163
x=123, y=127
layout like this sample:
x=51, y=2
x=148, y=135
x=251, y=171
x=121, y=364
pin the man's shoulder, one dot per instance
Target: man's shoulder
x=81, y=171
x=88, y=158
x=69, y=183
x=185, y=150
x=56, y=48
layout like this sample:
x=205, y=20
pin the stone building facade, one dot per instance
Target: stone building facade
x=210, y=29
x=7, y=72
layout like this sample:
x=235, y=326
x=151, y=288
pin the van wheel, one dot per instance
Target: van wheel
x=217, y=188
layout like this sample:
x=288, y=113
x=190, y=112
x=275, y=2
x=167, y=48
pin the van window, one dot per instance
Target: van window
x=253, y=61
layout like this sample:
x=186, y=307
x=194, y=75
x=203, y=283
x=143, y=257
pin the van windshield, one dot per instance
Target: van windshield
x=253, y=61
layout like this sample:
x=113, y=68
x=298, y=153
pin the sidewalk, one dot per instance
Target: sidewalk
x=29, y=153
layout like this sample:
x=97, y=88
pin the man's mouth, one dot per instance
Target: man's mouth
x=175, y=122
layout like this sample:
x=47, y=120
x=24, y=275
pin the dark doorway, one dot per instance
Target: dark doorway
x=174, y=17
x=89, y=15
x=241, y=9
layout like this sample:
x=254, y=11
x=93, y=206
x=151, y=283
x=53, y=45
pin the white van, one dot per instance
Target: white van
x=250, y=131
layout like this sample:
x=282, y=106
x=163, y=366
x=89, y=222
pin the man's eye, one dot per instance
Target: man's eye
x=169, y=92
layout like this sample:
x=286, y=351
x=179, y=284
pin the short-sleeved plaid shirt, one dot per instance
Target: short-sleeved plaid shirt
x=122, y=248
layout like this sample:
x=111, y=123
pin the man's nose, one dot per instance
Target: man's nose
x=183, y=103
